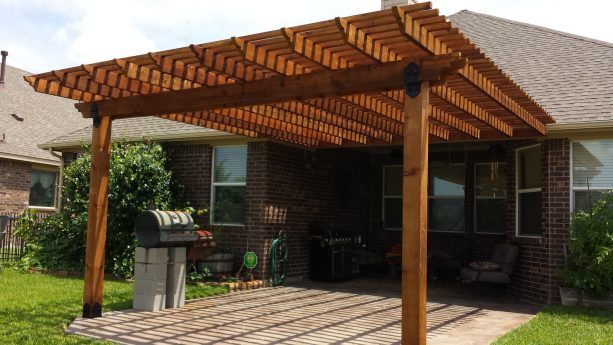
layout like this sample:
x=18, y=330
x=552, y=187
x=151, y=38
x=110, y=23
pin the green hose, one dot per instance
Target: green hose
x=278, y=259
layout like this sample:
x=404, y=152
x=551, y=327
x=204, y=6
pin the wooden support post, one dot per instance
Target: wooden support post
x=97, y=215
x=414, y=217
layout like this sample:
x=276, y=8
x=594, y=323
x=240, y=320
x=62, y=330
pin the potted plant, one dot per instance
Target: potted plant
x=587, y=278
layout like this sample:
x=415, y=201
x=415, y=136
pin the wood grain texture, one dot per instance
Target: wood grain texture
x=415, y=217
x=97, y=214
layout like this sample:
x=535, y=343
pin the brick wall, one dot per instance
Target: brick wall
x=535, y=276
x=14, y=185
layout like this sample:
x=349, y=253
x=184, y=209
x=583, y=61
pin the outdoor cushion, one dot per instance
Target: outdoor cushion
x=484, y=266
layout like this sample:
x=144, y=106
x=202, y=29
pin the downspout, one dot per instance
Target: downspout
x=58, y=195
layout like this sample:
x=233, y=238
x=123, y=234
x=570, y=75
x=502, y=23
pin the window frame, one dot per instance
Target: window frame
x=56, y=189
x=463, y=197
x=383, y=197
x=526, y=191
x=475, y=198
x=572, y=174
x=226, y=184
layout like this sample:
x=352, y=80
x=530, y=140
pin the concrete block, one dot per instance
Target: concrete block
x=150, y=271
x=176, y=272
x=177, y=254
x=149, y=302
x=175, y=299
x=151, y=255
x=150, y=287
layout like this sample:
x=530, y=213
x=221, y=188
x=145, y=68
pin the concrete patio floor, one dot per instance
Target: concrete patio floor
x=357, y=312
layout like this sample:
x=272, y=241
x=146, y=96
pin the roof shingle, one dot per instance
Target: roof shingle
x=569, y=75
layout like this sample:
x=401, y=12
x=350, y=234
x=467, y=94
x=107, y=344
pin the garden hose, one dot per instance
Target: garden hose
x=278, y=259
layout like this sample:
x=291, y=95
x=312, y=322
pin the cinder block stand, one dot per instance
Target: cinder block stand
x=159, y=278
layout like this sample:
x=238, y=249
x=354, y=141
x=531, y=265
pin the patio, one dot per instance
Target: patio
x=355, y=312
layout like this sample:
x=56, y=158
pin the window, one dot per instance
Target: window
x=528, y=191
x=392, y=197
x=446, y=197
x=229, y=181
x=592, y=171
x=490, y=198
x=42, y=188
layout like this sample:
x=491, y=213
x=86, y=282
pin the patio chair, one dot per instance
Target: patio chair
x=504, y=256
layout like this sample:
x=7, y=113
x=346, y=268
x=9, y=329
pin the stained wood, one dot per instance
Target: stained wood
x=342, y=82
x=97, y=215
x=414, y=218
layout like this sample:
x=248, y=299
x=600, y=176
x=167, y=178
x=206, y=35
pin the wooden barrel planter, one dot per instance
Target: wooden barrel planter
x=218, y=264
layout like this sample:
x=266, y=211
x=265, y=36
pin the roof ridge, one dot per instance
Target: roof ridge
x=541, y=28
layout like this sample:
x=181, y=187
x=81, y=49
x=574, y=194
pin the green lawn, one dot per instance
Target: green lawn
x=559, y=325
x=35, y=308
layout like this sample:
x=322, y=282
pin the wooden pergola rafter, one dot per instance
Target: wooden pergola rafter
x=399, y=76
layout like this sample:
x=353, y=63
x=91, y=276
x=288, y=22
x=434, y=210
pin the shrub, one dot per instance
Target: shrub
x=589, y=267
x=138, y=179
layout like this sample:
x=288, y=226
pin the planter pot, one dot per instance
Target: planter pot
x=569, y=296
x=606, y=302
x=218, y=263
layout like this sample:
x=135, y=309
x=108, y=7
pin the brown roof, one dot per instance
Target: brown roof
x=569, y=75
x=44, y=118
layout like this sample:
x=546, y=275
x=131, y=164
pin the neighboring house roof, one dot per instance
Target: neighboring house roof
x=43, y=117
x=569, y=75
x=138, y=129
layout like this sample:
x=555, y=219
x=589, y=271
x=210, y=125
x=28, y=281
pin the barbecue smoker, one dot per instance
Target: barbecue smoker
x=331, y=253
x=160, y=258
x=157, y=229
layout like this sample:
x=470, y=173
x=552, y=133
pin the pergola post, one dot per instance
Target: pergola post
x=97, y=215
x=414, y=213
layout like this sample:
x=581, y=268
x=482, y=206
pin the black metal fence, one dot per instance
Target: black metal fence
x=12, y=246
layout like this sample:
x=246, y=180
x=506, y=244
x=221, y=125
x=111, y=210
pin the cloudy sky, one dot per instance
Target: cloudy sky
x=41, y=35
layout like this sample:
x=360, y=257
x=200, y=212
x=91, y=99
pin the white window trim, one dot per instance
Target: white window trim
x=57, y=191
x=215, y=184
x=523, y=191
x=383, y=197
x=572, y=177
x=451, y=197
x=475, y=197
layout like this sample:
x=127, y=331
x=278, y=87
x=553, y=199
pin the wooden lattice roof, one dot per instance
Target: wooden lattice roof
x=478, y=102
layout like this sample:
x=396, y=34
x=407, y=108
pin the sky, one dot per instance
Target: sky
x=41, y=35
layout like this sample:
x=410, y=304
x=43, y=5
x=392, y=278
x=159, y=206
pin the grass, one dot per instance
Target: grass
x=559, y=325
x=36, y=308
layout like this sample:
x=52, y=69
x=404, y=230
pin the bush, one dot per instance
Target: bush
x=590, y=262
x=138, y=179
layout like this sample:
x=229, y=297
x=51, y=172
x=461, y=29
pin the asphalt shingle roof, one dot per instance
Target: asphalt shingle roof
x=44, y=117
x=569, y=75
x=134, y=129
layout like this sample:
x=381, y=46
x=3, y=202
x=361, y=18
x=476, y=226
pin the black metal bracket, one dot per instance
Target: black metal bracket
x=412, y=83
x=92, y=311
x=95, y=117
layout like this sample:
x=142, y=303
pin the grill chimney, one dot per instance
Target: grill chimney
x=4, y=54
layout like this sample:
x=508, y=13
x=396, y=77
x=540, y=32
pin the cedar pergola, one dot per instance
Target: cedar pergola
x=403, y=75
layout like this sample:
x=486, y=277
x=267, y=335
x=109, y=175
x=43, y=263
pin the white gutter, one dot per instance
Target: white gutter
x=58, y=195
x=580, y=126
x=163, y=137
x=29, y=159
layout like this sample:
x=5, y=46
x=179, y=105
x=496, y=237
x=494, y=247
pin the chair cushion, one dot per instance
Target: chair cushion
x=484, y=266
x=494, y=277
x=505, y=254
x=468, y=274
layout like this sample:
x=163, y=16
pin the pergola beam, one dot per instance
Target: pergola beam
x=342, y=82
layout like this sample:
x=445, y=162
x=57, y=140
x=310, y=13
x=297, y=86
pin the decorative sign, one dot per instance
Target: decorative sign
x=250, y=260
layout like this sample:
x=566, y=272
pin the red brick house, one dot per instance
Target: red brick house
x=29, y=176
x=519, y=191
